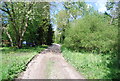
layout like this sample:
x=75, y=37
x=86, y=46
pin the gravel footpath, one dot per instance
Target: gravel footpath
x=49, y=64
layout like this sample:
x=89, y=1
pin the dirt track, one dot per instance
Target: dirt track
x=50, y=64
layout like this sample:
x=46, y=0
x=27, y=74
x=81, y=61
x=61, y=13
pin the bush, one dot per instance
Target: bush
x=91, y=33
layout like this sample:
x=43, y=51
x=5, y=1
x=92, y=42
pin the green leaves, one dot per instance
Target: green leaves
x=91, y=33
x=25, y=21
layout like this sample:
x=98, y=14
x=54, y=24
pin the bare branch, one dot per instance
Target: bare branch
x=5, y=10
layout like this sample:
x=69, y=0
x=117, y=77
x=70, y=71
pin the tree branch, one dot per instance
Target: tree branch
x=5, y=11
x=26, y=24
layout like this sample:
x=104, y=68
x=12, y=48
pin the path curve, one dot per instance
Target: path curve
x=50, y=64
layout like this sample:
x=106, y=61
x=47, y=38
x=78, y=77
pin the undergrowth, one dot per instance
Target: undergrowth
x=93, y=66
x=14, y=60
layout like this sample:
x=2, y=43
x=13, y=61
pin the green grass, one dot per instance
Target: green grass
x=14, y=60
x=93, y=66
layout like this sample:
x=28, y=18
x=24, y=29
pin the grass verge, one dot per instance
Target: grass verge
x=14, y=60
x=93, y=66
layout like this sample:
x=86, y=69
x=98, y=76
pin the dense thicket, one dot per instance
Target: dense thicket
x=92, y=33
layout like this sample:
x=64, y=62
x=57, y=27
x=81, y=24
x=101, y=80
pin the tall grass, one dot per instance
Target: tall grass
x=14, y=60
x=93, y=66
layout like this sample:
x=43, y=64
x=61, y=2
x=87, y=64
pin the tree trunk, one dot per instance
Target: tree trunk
x=10, y=38
x=19, y=44
x=111, y=21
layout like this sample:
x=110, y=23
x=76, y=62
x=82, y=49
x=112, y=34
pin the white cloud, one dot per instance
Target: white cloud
x=89, y=5
x=101, y=5
x=102, y=9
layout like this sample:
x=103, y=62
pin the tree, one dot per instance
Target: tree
x=18, y=18
x=39, y=25
x=112, y=7
x=25, y=19
x=50, y=35
x=72, y=11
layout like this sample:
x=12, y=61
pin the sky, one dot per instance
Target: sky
x=100, y=4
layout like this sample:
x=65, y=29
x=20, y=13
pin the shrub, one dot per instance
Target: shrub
x=91, y=33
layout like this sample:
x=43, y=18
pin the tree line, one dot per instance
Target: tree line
x=82, y=28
